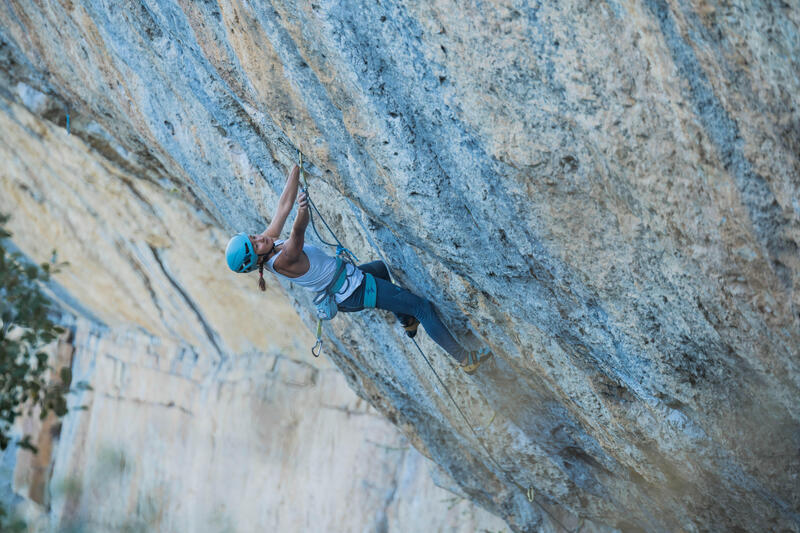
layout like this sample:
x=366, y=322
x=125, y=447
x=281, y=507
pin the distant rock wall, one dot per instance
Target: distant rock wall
x=264, y=443
x=207, y=412
x=605, y=193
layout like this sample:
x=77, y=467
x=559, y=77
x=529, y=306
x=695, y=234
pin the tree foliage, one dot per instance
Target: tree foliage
x=26, y=328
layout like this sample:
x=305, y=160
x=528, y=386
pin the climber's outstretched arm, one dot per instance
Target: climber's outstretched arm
x=293, y=247
x=284, y=204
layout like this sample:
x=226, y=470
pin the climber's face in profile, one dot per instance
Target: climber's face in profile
x=262, y=244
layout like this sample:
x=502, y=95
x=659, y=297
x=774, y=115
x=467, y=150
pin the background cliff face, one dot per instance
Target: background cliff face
x=604, y=193
x=207, y=411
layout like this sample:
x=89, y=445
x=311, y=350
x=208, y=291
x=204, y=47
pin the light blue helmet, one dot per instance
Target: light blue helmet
x=240, y=254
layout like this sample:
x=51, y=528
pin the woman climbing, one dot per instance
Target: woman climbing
x=356, y=288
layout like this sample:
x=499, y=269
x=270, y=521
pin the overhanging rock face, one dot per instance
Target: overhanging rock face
x=605, y=194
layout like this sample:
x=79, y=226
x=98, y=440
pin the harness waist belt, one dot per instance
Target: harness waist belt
x=370, y=291
x=339, y=278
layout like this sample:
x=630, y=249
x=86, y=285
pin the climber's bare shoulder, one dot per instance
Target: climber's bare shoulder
x=290, y=263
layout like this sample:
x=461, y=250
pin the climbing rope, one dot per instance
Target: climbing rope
x=340, y=248
x=342, y=251
x=529, y=491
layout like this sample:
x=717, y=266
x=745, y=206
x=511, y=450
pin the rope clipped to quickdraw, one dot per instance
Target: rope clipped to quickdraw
x=341, y=250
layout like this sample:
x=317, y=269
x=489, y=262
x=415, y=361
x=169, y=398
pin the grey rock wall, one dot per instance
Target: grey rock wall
x=207, y=413
x=605, y=193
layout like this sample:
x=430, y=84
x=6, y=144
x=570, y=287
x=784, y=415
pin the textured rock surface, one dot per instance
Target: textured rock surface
x=606, y=193
x=181, y=432
x=266, y=443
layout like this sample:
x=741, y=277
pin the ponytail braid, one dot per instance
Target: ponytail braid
x=261, y=283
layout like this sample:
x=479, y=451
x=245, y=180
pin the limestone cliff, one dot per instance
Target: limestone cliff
x=605, y=193
x=206, y=412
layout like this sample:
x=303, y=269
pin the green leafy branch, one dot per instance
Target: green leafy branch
x=26, y=328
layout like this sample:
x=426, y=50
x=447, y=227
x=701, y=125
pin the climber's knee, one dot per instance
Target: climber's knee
x=424, y=310
x=383, y=271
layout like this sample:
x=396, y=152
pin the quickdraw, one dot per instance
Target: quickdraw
x=346, y=255
x=324, y=301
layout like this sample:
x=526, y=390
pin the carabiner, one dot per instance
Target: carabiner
x=317, y=347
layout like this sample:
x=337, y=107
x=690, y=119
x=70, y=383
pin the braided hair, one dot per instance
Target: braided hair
x=262, y=259
x=261, y=283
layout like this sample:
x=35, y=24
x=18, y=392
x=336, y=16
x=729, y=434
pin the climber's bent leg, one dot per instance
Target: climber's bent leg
x=378, y=270
x=403, y=302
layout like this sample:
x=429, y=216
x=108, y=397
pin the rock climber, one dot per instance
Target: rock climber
x=367, y=285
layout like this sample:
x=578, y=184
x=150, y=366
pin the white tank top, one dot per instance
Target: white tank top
x=321, y=269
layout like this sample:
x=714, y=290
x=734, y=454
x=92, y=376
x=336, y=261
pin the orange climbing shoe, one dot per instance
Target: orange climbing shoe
x=411, y=327
x=475, y=359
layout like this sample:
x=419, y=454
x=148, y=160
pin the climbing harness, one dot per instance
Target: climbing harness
x=343, y=256
x=325, y=300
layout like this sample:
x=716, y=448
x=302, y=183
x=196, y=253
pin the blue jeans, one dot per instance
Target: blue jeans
x=404, y=305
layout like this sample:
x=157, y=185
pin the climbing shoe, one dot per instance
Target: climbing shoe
x=475, y=359
x=411, y=326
